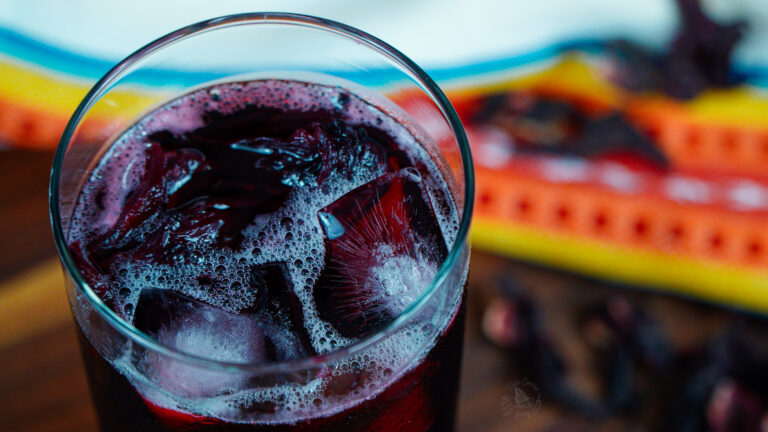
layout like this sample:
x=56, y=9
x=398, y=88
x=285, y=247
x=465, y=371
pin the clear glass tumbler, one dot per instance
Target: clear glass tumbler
x=414, y=390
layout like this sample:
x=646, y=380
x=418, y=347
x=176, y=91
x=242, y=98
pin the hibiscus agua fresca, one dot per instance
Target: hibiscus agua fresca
x=267, y=221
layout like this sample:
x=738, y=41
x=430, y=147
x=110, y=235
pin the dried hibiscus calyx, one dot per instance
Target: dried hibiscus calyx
x=733, y=407
x=627, y=346
x=203, y=186
x=634, y=67
x=513, y=322
x=723, y=386
x=620, y=322
x=636, y=377
x=698, y=57
x=543, y=125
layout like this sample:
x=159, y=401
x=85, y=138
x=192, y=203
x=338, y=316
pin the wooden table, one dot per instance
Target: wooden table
x=42, y=384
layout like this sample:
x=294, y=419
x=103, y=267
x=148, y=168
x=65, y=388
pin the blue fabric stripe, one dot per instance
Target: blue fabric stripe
x=27, y=49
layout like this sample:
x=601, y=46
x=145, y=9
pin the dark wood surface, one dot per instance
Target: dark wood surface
x=42, y=384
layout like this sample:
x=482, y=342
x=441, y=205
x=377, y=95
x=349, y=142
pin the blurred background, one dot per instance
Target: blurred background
x=619, y=274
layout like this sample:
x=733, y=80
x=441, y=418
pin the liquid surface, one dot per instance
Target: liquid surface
x=264, y=221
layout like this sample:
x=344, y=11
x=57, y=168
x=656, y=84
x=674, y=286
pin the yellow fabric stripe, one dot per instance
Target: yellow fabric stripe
x=41, y=91
x=742, y=287
x=739, y=106
x=572, y=73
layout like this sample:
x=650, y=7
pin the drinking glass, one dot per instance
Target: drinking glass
x=416, y=390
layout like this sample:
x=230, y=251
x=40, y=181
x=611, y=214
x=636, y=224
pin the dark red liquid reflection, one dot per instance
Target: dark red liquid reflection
x=424, y=399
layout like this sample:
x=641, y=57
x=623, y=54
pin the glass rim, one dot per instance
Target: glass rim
x=103, y=84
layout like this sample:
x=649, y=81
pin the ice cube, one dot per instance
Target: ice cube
x=383, y=247
x=197, y=328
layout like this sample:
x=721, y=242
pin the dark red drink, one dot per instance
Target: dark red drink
x=266, y=222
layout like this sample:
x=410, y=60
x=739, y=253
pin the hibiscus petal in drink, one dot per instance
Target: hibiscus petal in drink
x=279, y=311
x=383, y=248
